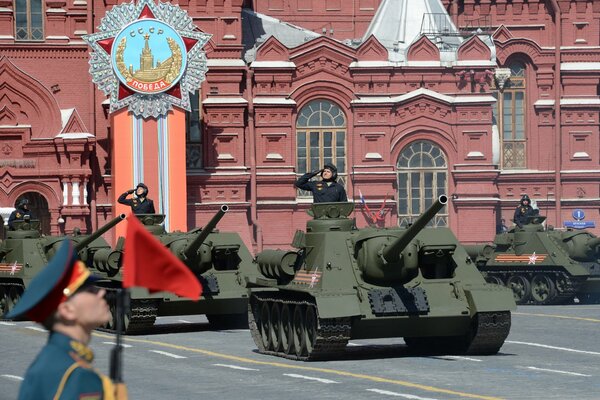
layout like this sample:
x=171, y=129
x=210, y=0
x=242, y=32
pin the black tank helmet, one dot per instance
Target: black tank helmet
x=525, y=197
x=141, y=185
x=333, y=169
x=22, y=203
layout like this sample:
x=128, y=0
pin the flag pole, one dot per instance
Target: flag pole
x=116, y=357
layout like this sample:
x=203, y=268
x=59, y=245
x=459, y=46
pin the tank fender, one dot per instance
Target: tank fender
x=338, y=306
x=489, y=298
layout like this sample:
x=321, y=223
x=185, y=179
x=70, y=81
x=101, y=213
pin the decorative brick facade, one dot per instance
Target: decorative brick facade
x=250, y=113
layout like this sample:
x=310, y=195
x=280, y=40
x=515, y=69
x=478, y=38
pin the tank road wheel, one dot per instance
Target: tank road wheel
x=275, y=327
x=13, y=297
x=3, y=301
x=542, y=289
x=494, y=279
x=285, y=330
x=310, y=331
x=561, y=284
x=298, y=331
x=264, y=324
x=520, y=287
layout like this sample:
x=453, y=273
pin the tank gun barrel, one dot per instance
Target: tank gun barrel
x=101, y=231
x=392, y=252
x=189, y=252
x=594, y=243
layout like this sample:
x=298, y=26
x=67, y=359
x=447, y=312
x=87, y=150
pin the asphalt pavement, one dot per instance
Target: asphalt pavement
x=552, y=352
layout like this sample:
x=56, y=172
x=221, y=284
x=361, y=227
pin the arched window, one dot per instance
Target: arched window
x=422, y=177
x=320, y=139
x=509, y=115
x=29, y=20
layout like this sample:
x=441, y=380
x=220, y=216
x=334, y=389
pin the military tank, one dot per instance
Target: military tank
x=25, y=252
x=219, y=260
x=542, y=265
x=345, y=283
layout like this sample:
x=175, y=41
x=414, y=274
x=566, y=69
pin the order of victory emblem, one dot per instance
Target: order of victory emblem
x=147, y=57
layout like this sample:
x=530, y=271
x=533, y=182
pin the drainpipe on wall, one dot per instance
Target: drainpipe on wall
x=92, y=182
x=252, y=149
x=557, y=125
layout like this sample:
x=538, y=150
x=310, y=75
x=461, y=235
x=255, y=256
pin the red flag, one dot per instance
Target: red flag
x=148, y=263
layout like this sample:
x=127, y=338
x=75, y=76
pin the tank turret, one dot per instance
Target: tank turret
x=346, y=283
x=542, y=265
x=25, y=251
x=191, y=251
x=388, y=258
x=220, y=261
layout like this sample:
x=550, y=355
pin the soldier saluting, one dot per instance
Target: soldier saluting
x=63, y=299
x=325, y=191
x=140, y=204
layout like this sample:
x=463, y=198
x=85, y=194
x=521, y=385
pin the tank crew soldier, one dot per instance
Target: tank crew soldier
x=325, y=191
x=524, y=211
x=140, y=204
x=64, y=301
x=20, y=213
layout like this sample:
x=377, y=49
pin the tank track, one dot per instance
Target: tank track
x=570, y=288
x=332, y=334
x=486, y=336
x=490, y=331
x=141, y=317
x=5, y=302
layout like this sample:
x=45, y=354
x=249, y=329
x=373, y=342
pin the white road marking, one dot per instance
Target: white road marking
x=354, y=344
x=7, y=323
x=545, y=346
x=12, y=377
x=35, y=328
x=164, y=353
x=236, y=367
x=461, y=358
x=310, y=378
x=406, y=396
x=122, y=344
x=557, y=371
x=184, y=321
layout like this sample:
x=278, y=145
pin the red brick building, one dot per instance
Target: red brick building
x=484, y=100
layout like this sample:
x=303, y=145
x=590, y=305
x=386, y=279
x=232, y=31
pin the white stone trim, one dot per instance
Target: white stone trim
x=580, y=66
x=225, y=62
x=457, y=99
x=225, y=100
x=273, y=100
x=272, y=64
x=580, y=101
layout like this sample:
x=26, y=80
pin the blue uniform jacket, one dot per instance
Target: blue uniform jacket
x=62, y=370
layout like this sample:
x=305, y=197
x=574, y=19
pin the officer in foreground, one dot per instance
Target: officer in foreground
x=63, y=299
x=325, y=191
x=19, y=214
x=524, y=211
x=140, y=204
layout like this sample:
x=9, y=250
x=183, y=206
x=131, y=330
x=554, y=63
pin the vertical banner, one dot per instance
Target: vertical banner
x=148, y=58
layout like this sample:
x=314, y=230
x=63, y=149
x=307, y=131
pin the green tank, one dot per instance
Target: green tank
x=542, y=265
x=221, y=262
x=25, y=252
x=345, y=283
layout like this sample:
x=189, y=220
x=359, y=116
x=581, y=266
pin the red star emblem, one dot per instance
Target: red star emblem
x=532, y=258
x=124, y=91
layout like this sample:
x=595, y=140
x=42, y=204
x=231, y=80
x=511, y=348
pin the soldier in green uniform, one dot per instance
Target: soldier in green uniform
x=63, y=299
